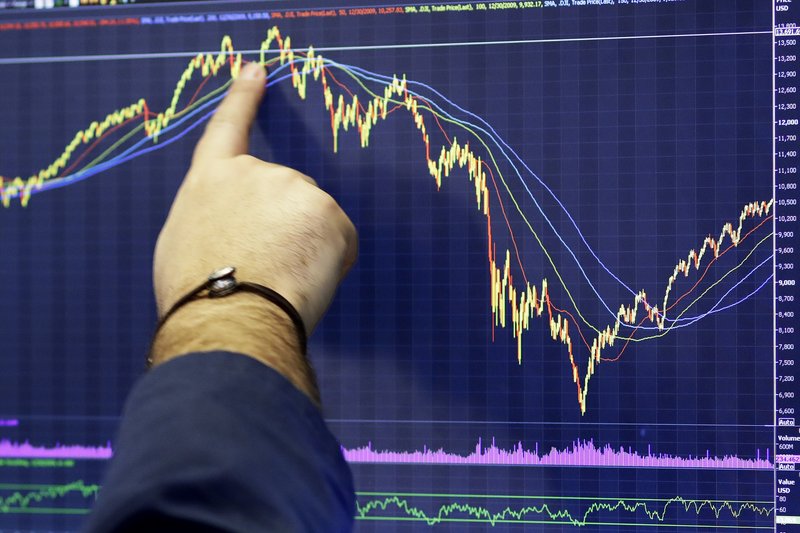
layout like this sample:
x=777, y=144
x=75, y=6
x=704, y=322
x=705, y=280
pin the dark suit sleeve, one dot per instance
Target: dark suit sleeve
x=220, y=442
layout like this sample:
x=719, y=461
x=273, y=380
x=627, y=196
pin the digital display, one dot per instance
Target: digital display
x=574, y=302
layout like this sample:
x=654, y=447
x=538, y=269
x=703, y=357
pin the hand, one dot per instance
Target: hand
x=271, y=222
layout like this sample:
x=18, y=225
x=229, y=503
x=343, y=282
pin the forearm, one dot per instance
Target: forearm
x=220, y=442
x=226, y=439
x=241, y=323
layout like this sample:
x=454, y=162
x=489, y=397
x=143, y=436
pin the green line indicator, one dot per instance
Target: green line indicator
x=387, y=506
x=26, y=497
x=49, y=510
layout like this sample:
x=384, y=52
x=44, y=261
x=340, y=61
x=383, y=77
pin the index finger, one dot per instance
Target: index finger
x=228, y=132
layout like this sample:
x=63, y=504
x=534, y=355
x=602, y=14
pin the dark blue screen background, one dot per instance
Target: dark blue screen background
x=651, y=143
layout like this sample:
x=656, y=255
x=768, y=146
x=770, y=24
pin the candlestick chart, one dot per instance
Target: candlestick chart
x=514, y=302
x=561, y=315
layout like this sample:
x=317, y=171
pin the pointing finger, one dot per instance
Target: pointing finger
x=227, y=133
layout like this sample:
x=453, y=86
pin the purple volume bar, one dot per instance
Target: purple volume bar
x=580, y=453
x=27, y=450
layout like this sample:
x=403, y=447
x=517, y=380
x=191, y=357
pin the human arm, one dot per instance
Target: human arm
x=271, y=222
x=222, y=441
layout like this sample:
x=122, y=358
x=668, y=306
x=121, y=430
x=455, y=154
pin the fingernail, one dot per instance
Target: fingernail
x=253, y=71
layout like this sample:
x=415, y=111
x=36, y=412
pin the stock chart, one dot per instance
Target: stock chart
x=573, y=306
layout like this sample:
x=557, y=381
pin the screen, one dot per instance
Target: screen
x=574, y=304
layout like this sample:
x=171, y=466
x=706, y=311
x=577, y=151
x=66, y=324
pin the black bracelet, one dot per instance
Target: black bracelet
x=223, y=283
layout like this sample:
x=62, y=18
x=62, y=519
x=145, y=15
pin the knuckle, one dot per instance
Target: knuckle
x=328, y=204
x=308, y=179
x=350, y=230
x=335, y=219
x=247, y=161
x=299, y=176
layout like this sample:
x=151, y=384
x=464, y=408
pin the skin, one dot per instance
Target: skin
x=271, y=222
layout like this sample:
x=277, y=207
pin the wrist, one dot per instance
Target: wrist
x=243, y=323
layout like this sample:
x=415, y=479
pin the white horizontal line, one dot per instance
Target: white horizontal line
x=543, y=423
x=166, y=55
